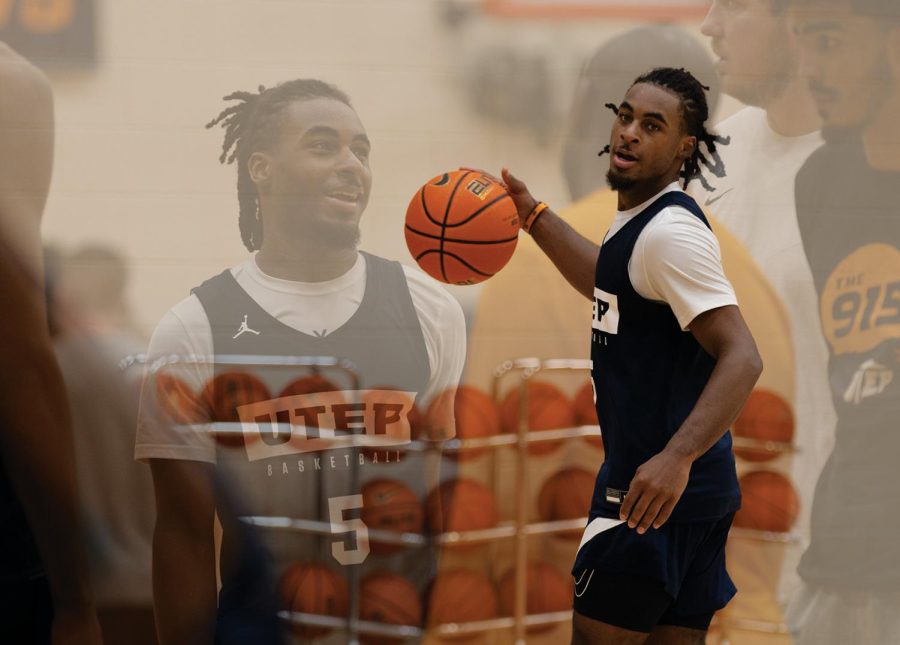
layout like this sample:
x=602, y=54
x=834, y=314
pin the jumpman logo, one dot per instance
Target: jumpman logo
x=244, y=328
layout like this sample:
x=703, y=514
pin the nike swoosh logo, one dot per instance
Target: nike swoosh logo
x=578, y=582
x=713, y=200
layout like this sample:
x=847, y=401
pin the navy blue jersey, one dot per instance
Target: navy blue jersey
x=648, y=374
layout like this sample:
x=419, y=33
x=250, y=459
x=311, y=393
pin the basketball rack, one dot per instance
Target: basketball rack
x=527, y=368
x=518, y=530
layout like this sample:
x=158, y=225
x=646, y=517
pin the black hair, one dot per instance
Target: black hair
x=252, y=125
x=609, y=72
x=695, y=111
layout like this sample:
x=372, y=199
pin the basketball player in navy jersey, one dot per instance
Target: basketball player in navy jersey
x=673, y=363
x=304, y=180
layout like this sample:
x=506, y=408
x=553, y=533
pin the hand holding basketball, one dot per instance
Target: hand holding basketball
x=461, y=227
x=521, y=197
x=516, y=188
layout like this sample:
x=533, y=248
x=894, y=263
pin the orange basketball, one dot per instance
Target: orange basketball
x=416, y=418
x=176, y=400
x=391, y=599
x=546, y=590
x=567, y=496
x=228, y=391
x=548, y=409
x=390, y=505
x=475, y=415
x=586, y=412
x=770, y=502
x=311, y=384
x=460, y=505
x=767, y=417
x=313, y=588
x=461, y=227
x=461, y=596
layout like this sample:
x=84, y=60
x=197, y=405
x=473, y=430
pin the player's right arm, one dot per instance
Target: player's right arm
x=184, y=562
x=574, y=255
x=182, y=461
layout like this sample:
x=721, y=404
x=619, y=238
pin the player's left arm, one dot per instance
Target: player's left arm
x=660, y=482
x=444, y=330
x=691, y=254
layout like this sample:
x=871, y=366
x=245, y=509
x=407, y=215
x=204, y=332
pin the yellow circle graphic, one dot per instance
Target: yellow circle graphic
x=860, y=303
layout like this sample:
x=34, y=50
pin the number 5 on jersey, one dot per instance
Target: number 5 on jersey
x=357, y=529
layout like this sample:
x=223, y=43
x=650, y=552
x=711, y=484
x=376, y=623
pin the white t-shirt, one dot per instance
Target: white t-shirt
x=755, y=202
x=314, y=308
x=676, y=260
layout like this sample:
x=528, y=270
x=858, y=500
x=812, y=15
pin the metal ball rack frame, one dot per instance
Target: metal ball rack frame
x=518, y=530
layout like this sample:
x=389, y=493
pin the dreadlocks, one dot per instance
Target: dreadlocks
x=695, y=112
x=253, y=125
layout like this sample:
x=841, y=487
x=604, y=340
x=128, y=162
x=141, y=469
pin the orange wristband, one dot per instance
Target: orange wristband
x=539, y=208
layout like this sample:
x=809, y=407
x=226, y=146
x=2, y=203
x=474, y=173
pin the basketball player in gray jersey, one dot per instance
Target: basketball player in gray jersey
x=303, y=183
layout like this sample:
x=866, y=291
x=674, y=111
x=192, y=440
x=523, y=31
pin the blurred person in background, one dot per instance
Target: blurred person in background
x=847, y=206
x=93, y=334
x=45, y=593
x=770, y=139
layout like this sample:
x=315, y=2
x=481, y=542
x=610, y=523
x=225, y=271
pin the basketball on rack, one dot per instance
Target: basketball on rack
x=766, y=417
x=390, y=505
x=313, y=588
x=476, y=416
x=566, y=495
x=391, y=599
x=416, y=418
x=385, y=394
x=460, y=596
x=546, y=590
x=460, y=505
x=311, y=384
x=461, y=227
x=228, y=391
x=769, y=503
x=177, y=401
x=586, y=412
x=548, y=409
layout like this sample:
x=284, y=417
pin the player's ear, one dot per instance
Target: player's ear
x=259, y=166
x=688, y=145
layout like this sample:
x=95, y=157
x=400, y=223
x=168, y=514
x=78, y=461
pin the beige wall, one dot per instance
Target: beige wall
x=134, y=166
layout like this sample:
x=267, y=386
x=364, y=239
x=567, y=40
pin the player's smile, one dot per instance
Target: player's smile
x=321, y=179
x=348, y=195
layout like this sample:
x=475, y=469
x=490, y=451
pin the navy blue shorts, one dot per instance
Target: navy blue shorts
x=674, y=575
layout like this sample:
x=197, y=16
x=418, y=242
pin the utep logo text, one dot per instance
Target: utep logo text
x=325, y=420
x=605, y=321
